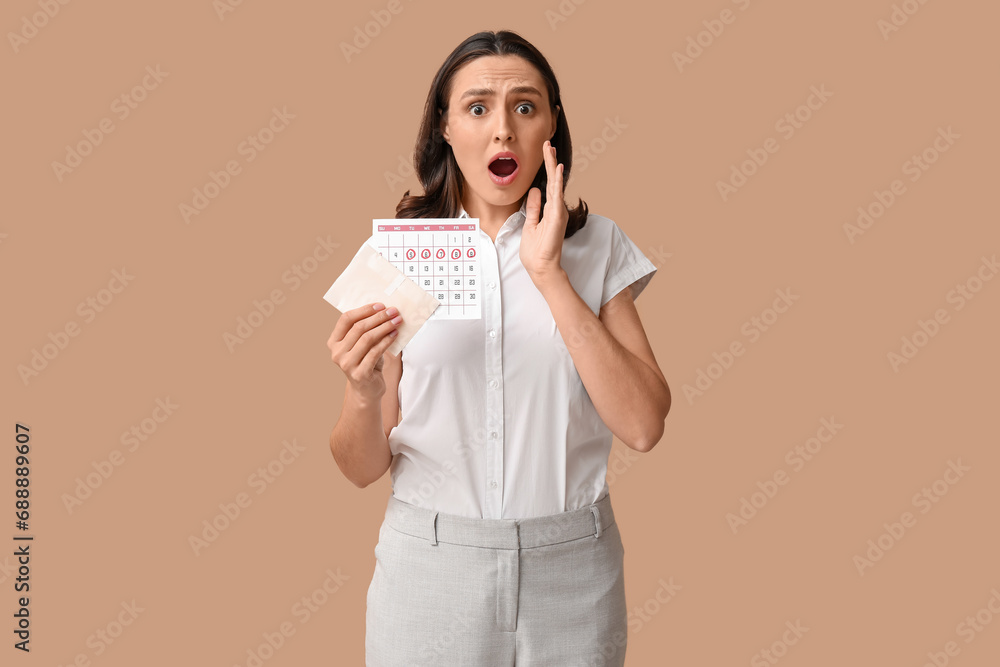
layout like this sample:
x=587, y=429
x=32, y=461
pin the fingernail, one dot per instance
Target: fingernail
x=392, y=311
x=378, y=306
x=397, y=319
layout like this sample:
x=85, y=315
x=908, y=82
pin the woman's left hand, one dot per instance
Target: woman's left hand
x=541, y=240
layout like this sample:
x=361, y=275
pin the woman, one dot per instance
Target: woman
x=487, y=554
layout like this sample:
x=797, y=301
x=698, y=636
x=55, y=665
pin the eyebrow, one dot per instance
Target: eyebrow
x=487, y=92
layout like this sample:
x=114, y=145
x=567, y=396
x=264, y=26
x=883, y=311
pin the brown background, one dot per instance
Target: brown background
x=720, y=263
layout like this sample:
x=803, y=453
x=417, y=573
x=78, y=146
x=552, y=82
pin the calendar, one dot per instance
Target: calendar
x=439, y=254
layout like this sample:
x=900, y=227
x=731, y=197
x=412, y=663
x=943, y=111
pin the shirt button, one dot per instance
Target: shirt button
x=499, y=241
x=493, y=383
x=493, y=333
x=493, y=285
x=493, y=483
x=493, y=434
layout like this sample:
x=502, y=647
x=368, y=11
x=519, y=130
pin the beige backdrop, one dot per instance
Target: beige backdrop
x=815, y=183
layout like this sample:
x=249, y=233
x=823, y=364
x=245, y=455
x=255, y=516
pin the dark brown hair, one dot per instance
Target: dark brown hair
x=434, y=162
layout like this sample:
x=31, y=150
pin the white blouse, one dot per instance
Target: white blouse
x=496, y=423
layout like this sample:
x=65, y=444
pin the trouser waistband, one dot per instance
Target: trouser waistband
x=537, y=531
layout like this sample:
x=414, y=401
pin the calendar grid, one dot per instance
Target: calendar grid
x=440, y=255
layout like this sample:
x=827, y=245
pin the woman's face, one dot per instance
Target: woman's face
x=498, y=104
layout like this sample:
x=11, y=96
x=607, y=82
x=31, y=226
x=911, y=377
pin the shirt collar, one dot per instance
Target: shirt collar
x=515, y=219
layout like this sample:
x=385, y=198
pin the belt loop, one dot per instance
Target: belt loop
x=434, y=535
x=597, y=519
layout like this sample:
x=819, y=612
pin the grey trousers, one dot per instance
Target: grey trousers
x=451, y=590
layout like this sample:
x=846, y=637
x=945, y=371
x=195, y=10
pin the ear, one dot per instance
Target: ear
x=444, y=127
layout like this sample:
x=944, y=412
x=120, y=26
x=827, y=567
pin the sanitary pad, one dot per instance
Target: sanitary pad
x=371, y=278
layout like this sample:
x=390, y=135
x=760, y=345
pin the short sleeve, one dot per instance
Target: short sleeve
x=626, y=266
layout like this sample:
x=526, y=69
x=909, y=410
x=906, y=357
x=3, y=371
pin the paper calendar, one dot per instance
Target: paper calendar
x=441, y=255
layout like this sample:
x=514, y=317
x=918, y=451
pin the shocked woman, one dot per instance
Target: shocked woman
x=499, y=544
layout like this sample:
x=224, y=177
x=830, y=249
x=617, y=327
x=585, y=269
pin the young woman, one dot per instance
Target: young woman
x=499, y=544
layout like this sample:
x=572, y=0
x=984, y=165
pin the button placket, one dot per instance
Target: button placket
x=494, y=386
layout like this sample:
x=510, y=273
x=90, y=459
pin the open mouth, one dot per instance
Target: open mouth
x=503, y=166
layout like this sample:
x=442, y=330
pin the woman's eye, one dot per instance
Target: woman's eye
x=529, y=105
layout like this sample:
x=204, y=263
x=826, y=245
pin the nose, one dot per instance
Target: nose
x=504, y=131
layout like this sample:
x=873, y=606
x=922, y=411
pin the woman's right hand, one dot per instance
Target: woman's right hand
x=359, y=339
